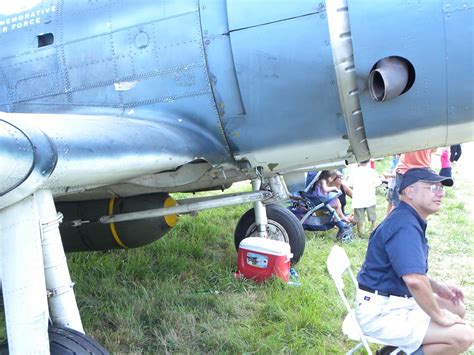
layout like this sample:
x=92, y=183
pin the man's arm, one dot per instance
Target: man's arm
x=347, y=189
x=420, y=287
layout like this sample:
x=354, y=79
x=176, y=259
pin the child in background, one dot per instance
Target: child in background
x=325, y=191
x=364, y=180
x=445, y=163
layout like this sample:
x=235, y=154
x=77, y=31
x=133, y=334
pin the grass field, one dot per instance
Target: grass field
x=179, y=294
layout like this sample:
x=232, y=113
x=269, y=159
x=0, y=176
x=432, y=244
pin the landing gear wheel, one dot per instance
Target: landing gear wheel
x=65, y=341
x=282, y=225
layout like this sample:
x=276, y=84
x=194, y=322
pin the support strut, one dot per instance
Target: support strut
x=34, y=272
x=261, y=220
x=62, y=302
x=23, y=281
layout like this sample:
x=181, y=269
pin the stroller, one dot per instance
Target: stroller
x=317, y=215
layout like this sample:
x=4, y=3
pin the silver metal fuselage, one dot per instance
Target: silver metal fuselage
x=125, y=98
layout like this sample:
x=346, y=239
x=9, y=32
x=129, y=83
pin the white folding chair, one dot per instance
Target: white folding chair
x=338, y=263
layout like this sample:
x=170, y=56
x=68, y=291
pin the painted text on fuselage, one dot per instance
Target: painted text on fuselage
x=26, y=19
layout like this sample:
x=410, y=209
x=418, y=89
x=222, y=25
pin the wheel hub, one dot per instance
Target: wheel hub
x=275, y=231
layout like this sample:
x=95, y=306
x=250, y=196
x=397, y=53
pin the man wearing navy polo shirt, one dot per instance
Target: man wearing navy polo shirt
x=397, y=303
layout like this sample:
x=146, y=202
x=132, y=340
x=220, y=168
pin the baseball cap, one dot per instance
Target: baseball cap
x=423, y=174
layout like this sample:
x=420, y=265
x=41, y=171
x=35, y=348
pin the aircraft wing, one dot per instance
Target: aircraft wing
x=72, y=153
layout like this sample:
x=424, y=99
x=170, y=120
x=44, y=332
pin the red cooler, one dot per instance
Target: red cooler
x=260, y=258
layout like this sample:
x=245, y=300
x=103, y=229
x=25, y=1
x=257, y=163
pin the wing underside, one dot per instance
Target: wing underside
x=73, y=153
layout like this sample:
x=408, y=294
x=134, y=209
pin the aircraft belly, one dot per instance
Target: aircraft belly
x=297, y=156
x=287, y=80
x=440, y=100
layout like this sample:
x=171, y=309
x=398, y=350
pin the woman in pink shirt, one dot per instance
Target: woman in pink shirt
x=445, y=163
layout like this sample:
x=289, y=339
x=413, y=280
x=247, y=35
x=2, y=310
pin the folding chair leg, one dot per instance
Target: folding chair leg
x=357, y=347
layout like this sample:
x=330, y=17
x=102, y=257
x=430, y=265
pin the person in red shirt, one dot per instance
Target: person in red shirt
x=410, y=160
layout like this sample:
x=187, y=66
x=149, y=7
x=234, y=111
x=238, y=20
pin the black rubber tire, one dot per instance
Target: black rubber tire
x=278, y=218
x=346, y=235
x=65, y=341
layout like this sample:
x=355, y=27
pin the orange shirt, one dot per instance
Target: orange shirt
x=418, y=159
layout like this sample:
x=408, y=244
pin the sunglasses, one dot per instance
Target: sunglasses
x=433, y=188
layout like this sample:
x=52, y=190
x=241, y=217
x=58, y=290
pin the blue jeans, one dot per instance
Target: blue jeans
x=445, y=172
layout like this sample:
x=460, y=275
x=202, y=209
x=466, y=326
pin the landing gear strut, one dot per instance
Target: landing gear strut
x=273, y=222
x=35, y=280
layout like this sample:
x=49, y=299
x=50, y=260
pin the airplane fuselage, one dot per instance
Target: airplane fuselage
x=235, y=85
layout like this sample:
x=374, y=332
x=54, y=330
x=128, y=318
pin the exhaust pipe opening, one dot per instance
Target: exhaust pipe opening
x=390, y=77
x=377, y=86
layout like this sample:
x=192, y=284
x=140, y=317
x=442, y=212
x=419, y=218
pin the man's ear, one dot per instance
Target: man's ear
x=408, y=193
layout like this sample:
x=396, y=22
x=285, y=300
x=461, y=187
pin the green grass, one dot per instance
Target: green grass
x=179, y=295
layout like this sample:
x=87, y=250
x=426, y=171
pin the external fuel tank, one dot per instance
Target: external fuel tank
x=89, y=234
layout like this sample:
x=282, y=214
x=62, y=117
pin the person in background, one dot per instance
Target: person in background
x=391, y=182
x=394, y=162
x=364, y=180
x=397, y=303
x=344, y=188
x=327, y=192
x=417, y=159
x=456, y=152
x=445, y=163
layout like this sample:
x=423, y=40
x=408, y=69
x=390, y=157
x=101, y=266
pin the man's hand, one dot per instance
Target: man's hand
x=448, y=292
x=422, y=289
x=448, y=319
x=458, y=294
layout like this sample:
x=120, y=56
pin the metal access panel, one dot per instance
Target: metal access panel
x=28, y=67
x=412, y=25
x=144, y=56
x=287, y=81
x=220, y=62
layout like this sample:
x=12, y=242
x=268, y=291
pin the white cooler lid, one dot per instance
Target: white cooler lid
x=267, y=246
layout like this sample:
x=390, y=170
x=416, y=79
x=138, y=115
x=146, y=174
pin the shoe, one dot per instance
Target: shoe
x=387, y=350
